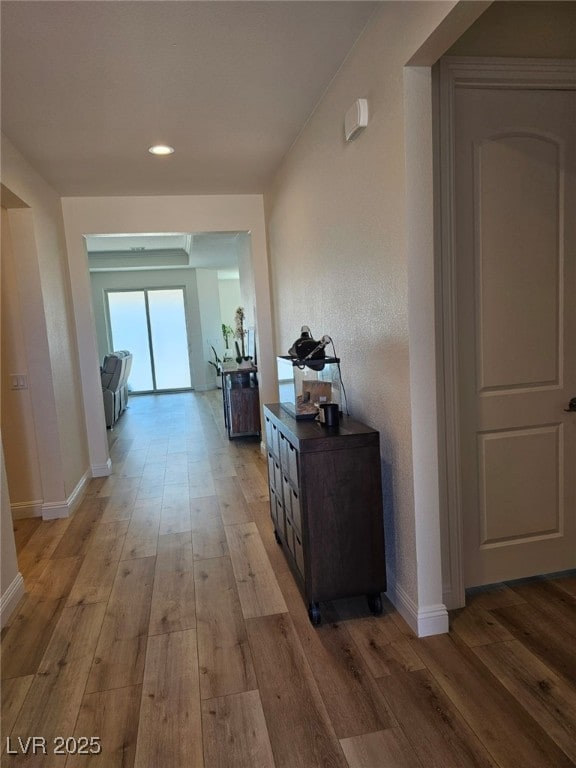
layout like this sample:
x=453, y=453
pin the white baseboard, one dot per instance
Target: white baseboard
x=10, y=599
x=52, y=510
x=424, y=621
x=75, y=498
x=433, y=620
x=102, y=470
x=21, y=509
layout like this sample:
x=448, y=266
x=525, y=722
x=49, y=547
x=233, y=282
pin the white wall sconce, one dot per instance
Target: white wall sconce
x=356, y=119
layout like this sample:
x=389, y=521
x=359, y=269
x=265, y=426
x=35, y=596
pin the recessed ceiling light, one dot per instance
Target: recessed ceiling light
x=161, y=149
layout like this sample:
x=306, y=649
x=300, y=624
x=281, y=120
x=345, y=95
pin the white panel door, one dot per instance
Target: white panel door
x=515, y=245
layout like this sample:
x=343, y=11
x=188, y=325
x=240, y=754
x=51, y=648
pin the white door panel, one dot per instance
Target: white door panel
x=515, y=206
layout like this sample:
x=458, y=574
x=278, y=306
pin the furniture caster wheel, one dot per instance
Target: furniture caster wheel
x=278, y=541
x=375, y=603
x=314, y=614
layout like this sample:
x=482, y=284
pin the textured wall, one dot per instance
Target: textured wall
x=62, y=436
x=336, y=234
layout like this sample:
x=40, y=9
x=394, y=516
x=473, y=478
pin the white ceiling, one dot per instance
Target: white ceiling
x=88, y=86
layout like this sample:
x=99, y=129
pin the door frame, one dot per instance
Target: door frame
x=556, y=74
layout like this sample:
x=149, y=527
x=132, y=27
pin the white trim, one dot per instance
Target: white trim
x=424, y=621
x=53, y=510
x=472, y=73
x=11, y=598
x=450, y=429
x=23, y=509
x=102, y=470
x=423, y=360
x=433, y=620
x=509, y=73
x=75, y=498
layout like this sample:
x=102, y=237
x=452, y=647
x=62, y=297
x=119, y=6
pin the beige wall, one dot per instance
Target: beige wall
x=39, y=247
x=230, y=299
x=11, y=582
x=337, y=224
x=20, y=452
x=210, y=323
x=247, y=282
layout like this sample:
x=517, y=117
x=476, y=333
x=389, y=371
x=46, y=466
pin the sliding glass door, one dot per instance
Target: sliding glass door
x=151, y=324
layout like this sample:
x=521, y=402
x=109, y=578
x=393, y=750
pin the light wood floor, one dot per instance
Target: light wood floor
x=162, y=619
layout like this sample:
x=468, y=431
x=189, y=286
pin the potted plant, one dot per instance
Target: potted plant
x=243, y=360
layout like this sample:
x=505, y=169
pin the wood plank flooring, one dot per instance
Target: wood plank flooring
x=162, y=620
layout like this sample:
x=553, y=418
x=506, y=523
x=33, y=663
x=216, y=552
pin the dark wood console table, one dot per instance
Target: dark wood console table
x=326, y=505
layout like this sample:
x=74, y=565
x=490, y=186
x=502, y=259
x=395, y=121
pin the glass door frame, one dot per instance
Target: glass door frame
x=145, y=291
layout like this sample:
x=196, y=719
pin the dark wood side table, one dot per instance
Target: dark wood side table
x=326, y=504
x=241, y=402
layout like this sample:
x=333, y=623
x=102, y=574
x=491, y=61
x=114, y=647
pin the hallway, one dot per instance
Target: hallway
x=161, y=621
